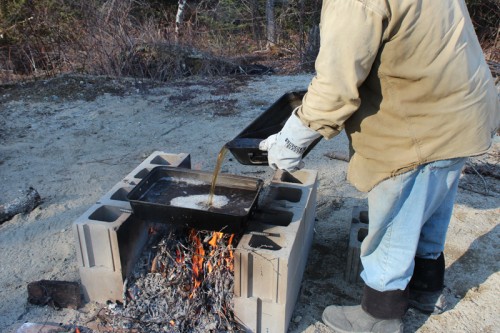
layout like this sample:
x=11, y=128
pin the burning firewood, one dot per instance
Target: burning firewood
x=187, y=286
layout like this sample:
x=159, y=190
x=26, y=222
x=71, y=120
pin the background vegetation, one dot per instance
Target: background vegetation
x=140, y=38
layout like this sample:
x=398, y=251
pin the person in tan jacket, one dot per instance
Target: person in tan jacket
x=408, y=82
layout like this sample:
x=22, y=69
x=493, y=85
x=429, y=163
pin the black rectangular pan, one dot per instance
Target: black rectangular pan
x=245, y=146
x=179, y=196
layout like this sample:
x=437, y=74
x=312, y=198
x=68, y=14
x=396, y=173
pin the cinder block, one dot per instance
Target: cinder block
x=271, y=256
x=109, y=239
x=109, y=242
x=358, y=232
x=157, y=158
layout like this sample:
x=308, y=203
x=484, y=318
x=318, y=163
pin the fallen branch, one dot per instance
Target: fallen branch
x=335, y=156
x=466, y=188
x=57, y=294
x=24, y=204
x=487, y=170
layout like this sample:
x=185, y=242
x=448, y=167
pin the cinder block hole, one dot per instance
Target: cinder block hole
x=161, y=160
x=106, y=214
x=363, y=216
x=362, y=234
x=288, y=194
x=143, y=173
x=289, y=178
x=121, y=194
x=274, y=217
x=263, y=242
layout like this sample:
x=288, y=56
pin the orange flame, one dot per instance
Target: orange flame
x=179, y=257
x=230, y=260
x=198, y=257
x=216, y=237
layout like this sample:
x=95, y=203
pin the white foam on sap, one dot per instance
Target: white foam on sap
x=199, y=201
x=187, y=181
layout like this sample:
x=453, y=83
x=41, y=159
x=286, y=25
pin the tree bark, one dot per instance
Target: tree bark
x=256, y=28
x=25, y=203
x=179, y=18
x=270, y=23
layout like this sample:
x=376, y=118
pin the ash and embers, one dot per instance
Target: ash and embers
x=184, y=283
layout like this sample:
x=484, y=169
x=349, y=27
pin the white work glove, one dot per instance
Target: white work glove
x=285, y=149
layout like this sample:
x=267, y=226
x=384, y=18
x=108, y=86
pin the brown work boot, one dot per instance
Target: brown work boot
x=379, y=312
x=354, y=319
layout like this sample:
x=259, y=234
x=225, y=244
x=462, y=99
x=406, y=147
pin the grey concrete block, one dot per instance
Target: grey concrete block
x=108, y=242
x=358, y=232
x=109, y=239
x=157, y=158
x=271, y=256
x=117, y=196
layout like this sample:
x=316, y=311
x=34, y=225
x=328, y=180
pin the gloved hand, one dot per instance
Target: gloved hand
x=285, y=149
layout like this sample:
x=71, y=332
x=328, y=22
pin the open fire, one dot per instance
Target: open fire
x=190, y=281
x=184, y=283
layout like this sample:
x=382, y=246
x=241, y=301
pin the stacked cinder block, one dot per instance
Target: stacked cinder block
x=358, y=232
x=271, y=256
x=109, y=239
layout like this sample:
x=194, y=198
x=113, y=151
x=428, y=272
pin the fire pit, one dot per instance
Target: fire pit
x=249, y=280
x=183, y=283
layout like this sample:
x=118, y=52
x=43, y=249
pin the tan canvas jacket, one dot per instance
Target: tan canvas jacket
x=407, y=80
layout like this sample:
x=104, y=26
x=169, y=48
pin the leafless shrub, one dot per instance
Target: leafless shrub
x=108, y=38
x=141, y=38
x=36, y=43
x=485, y=15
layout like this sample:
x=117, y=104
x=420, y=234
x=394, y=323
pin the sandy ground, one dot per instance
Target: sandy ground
x=73, y=138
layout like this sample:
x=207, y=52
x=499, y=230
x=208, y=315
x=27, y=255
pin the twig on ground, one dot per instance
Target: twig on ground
x=480, y=176
x=336, y=156
x=476, y=191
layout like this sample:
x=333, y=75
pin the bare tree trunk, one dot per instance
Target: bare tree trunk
x=179, y=18
x=312, y=48
x=302, y=41
x=270, y=24
x=256, y=29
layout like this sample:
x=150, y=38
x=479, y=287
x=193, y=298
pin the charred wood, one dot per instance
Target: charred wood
x=183, y=283
x=57, y=294
x=23, y=204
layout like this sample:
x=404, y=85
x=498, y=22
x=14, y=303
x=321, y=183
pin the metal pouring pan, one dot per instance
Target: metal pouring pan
x=245, y=146
x=151, y=199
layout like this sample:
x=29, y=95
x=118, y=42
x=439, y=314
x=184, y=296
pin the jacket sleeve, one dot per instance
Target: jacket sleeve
x=351, y=33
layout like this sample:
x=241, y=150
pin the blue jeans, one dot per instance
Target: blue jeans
x=409, y=215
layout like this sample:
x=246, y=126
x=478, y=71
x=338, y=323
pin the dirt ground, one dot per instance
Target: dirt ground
x=74, y=137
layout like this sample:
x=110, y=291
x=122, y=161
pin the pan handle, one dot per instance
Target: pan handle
x=263, y=233
x=258, y=159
